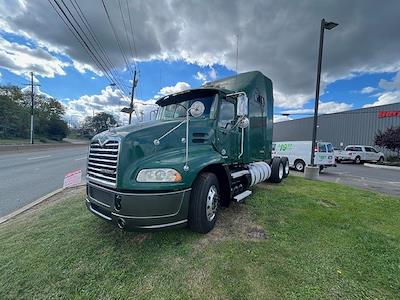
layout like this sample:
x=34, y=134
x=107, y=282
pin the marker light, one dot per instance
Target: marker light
x=159, y=175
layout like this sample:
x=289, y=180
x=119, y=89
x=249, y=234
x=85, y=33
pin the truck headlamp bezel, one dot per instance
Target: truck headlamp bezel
x=158, y=175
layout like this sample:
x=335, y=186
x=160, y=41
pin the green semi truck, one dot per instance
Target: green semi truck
x=207, y=147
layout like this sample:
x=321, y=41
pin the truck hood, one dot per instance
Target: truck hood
x=137, y=148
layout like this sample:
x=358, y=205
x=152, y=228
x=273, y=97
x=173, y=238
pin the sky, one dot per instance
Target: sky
x=176, y=45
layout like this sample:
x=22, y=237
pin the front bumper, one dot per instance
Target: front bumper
x=138, y=210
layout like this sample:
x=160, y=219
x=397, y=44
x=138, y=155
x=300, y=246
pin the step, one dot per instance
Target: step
x=241, y=196
x=239, y=173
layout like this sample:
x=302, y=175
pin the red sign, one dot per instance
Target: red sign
x=388, y=114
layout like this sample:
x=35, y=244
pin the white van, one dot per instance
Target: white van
x=299, y=154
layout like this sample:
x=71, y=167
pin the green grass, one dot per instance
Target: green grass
x=323, y=241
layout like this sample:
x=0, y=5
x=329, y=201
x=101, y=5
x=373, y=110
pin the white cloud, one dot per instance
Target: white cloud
x=391, y=85
x=112, y=101
x=21, y=59
x=391, y=93
x=280, y=118
x=178, y=87
x=324, y=108
x=368, y=90
x=36, y=90
x=200, y=76
x=212, y=74
x=386, y=98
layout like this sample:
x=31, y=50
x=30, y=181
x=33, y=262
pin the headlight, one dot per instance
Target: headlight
x=158, y=175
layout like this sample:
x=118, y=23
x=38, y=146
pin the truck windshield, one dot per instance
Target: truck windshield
x=178, y=110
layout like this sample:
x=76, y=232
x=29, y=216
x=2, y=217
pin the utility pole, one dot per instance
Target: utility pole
x=32, y=105
x=132, y=96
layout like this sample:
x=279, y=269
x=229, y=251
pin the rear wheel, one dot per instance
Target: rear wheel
x=277, y=170
x=299, y=165
x=204, y=199
x=380, y=160
x=285, y=162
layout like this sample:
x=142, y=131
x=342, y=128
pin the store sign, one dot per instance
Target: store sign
x=388, y=114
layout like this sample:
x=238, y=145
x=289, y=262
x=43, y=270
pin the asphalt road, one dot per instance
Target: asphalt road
x=27, y=176
x=373, y=179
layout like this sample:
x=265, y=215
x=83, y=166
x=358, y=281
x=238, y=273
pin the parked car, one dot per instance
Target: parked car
x=337, y=152
x=299, y=154
x=359, y=153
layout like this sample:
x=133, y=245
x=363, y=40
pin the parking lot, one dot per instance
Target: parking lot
x=374, y=179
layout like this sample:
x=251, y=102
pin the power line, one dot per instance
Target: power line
x=78, y=36
x=132, y=31
x=93, y=35
x=82, y=41
x=116, y=37
x=126, y=31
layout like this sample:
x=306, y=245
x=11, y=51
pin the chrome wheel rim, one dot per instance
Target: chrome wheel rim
x=287, y=167
x=280, y=170
x=299, y=166
x=212, y=203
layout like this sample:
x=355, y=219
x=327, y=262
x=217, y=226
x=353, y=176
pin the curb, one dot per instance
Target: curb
x=382, y=167
x=34, y=203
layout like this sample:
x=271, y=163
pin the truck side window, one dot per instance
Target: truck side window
x=226, y=114
x=322, y=148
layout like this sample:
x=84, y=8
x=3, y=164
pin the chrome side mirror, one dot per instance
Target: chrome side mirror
x=244, y=122
x=242, y=105
x=197, y=109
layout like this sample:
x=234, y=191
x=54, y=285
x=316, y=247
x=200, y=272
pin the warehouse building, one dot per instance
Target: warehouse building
x=357, y=126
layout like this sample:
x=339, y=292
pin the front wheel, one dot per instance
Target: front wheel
x=299, y=165
x=357, y=160
x=204, y=199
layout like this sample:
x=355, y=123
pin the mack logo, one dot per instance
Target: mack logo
x=107, y=171
x=101, y=143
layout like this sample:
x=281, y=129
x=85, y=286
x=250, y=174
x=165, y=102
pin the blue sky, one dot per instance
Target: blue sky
x=185, y=51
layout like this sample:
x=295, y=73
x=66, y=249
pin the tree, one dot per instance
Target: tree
x=389, y=139
x=100, y=122
x=15, y=110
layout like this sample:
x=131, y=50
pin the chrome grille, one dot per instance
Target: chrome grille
x=102, y=162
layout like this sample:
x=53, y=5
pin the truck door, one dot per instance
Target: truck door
x=227, y=135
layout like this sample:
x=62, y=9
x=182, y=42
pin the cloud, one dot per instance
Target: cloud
x=200, y=76
x=178, y=87
x=278, y=38
x=279, y=118
x=386, y=98
x=36, y=90
x=112, y=101
x=324, y=108
x=212, y=74
x=390, y=85
x=21, y=59
x=391, y=93
x=368, y=90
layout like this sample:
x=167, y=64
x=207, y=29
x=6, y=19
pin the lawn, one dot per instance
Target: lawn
x=300, y=239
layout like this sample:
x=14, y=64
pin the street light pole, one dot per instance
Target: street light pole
x=329, y=26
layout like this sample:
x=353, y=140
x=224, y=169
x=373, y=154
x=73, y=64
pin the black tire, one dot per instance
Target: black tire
x=286, y=168
x=299, y=165
x=321, y=168
x=277, y=170
x=357, y=160
x=380, y=160
x=339, y=161
x=199, y=220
